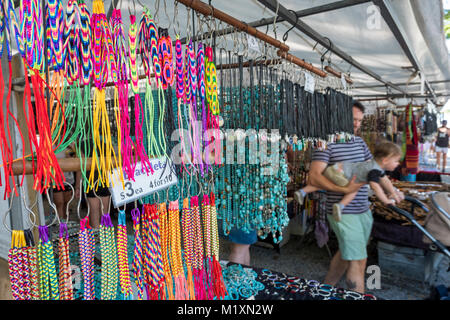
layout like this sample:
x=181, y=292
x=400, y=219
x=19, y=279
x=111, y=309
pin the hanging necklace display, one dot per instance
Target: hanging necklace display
x=124, y=272
x=65, y=272
x=104, y=156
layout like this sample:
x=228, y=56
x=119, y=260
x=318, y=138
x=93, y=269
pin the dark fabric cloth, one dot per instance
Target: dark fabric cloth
x=394, y=233
x=442, y=139
x=430, y=123
x=101, y=191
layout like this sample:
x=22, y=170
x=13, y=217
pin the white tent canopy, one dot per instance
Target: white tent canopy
x=362, y=32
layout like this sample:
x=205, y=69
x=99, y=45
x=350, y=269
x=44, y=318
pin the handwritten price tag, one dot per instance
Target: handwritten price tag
x=343, y=81
x=252, y=43
x=143, y=184
x=309, y=83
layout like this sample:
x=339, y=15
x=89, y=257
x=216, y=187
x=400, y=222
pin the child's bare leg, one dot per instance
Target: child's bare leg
x=339, y=207
x=309, y=188
x=300, y=195
x=348, y=198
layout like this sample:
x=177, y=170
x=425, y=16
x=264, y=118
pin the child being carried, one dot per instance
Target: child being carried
x=386, y=156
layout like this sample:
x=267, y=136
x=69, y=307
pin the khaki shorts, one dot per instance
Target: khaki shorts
x=353, y=233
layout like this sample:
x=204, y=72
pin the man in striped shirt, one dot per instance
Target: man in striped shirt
x=353, y=231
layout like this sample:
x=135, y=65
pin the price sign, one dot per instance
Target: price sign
x=252, y=43
x=309, y=83
x=343, y=81
x=143, y=185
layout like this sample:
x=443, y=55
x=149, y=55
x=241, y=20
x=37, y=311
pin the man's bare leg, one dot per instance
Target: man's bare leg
x=355, y=275
x=337, y=269
x=240, y=253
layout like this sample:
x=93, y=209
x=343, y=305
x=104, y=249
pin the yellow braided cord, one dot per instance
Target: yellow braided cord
x=119, y=135
x=103, y=148
x=215, y=232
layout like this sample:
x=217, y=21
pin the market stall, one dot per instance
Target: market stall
x=396, y=229
x=401, y=244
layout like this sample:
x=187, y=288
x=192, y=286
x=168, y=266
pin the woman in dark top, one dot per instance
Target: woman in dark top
x=442, y=144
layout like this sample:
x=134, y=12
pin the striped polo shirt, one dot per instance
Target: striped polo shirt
x=353, y=151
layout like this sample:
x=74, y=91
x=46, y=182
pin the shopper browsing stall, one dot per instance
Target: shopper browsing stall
x=354, y=229
x=386, y=157
x=442, y=144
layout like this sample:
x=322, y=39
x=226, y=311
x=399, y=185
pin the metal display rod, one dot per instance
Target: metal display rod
x=301, y=63
x=247, y=64
x=337, y=74
x=66, y=164
x=208, y=10
x=289, y=16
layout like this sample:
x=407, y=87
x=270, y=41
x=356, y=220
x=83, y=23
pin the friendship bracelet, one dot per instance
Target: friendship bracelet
x=65, y=272
x=87, y=252
x=48, y=281
x=124, y=272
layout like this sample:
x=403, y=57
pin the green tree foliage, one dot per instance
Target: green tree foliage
x=447, y=24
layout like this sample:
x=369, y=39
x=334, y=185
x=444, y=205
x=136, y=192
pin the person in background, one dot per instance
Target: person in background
x=102, y=192
x=442, y=145
x=353, y=231
x=95, y=204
